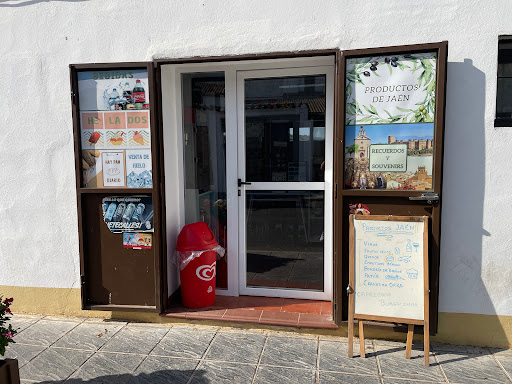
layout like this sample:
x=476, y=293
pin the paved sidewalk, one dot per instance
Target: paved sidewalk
x=73, y=350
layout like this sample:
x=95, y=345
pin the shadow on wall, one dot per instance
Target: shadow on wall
x=23, y=3
x=162, y=376
x=461, y=287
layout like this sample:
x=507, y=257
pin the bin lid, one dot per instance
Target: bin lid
x=195, y=237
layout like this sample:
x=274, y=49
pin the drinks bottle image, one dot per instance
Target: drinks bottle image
x=127, y=93
x=113, y=99
x=139, y=94
x=137, y=216
x=119, y=212
x=149, y=220
x=104, y=207
x=110, y=212
x=128, y=212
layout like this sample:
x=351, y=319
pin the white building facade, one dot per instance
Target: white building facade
x=40, y=254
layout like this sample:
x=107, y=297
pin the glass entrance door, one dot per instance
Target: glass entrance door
x=285, y=120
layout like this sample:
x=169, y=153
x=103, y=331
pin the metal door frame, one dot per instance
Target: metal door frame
x=326, y=186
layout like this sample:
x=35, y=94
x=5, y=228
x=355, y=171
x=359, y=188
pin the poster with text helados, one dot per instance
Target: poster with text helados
x=114, y=117
x=389, y=121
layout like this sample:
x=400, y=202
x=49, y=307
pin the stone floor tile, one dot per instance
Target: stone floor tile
x=392, y=380
x=506, y=361
x=160, y=370
x=134, y=339
x=54, y=364
x=394, y=364
x=467, y=369
x=44, y=332
x=501, y=352
x=107, y=368
x=184, y=342
x=334, y=357
x=459, y=349
x=336, y=377
x=273, y=375
x=65, y=318
x=105, y=321
x=223, y=373
x=21, y=322
x=24, y=353
x=227, y=346
x=290, y=352
x=89, y=336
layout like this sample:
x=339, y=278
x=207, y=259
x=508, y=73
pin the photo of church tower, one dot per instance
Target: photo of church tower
x=360, y=149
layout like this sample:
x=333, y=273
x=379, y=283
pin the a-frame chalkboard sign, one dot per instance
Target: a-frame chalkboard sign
x=388, y=276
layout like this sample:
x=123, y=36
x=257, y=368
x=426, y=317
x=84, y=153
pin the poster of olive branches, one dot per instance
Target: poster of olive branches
x=389, y=121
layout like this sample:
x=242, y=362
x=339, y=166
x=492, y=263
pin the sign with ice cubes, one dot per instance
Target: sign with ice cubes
x=128, y=213
x=138, y=169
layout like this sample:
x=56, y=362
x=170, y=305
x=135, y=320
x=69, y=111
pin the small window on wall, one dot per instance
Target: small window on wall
x=504, y=93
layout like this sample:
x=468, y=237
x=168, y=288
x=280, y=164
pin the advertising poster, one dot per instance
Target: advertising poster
x=113, y=169
x=128, y=213
x=137, y=240
x=138, y=169
x=114, y=118
x=389, y=122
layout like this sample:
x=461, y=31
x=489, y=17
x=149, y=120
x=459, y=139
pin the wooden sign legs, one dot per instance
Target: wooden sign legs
x=351, y=338
x=361, y=338
x=426, y=342
x=408, y=345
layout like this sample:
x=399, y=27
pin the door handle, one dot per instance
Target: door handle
x=240, y=183
x=429, y=197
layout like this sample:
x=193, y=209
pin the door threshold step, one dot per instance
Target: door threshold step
x=261, y=310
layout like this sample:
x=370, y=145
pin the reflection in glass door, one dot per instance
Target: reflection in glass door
x=204, y=155
x=285, y=182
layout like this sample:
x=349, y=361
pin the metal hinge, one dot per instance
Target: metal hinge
x=336, y=190
x=82, y=279
x=429, y=197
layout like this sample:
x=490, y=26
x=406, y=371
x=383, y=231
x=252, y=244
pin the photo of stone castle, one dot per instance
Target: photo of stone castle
x=420, y=147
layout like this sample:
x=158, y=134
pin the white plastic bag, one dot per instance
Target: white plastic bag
x=183, y=258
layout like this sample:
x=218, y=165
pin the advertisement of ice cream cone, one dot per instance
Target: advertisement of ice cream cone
x=115, y=121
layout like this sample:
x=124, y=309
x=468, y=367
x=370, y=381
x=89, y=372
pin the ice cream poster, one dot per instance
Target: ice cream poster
x=137, y=240
x=128, y=213
x=122, y=130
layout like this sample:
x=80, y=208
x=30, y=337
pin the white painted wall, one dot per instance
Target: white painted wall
x=38, y=231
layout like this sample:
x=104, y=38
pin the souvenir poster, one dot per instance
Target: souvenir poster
x=128, y=213
x=114, y=118
x=389, y=122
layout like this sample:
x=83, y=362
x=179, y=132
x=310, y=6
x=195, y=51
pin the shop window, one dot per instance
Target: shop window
x=504, y=93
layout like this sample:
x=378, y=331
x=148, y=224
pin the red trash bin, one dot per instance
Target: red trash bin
x=198, y=275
